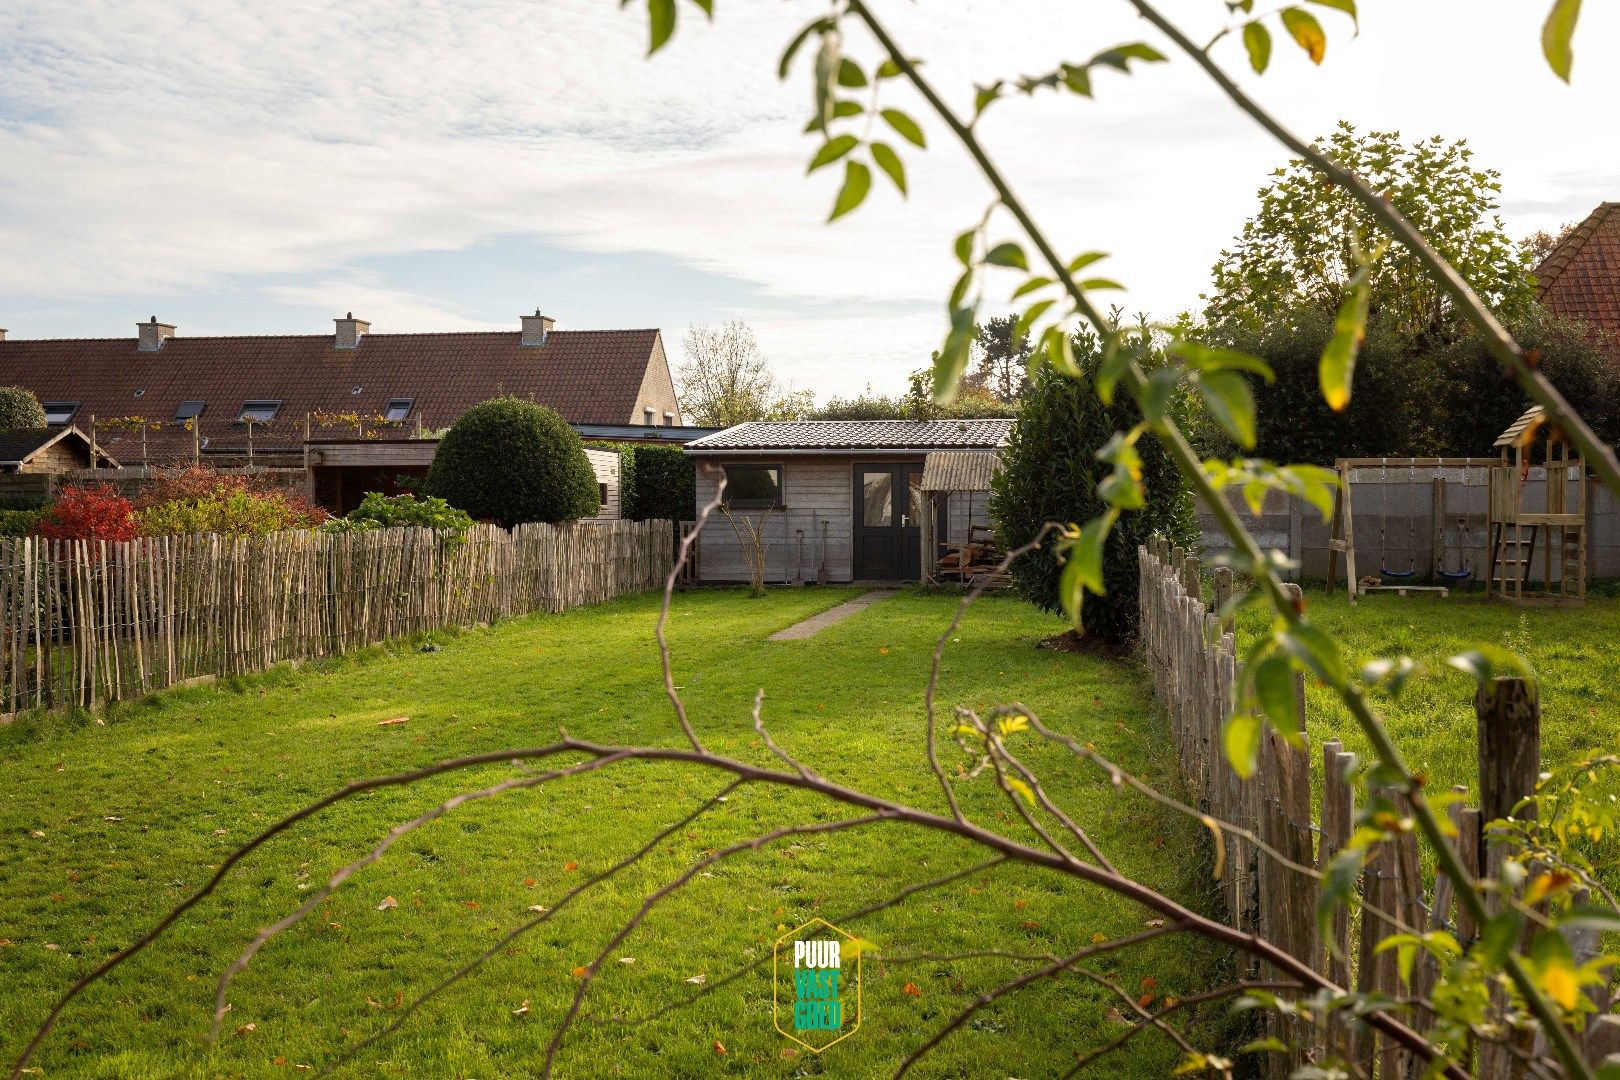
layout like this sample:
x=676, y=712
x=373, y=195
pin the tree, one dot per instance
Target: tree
x=1541, y=243
x=1001, y=363
x=1299, y=251
x=726, y=380
x=512, y=461
x=19, y=410
x=917, y=403
x=1051, y=472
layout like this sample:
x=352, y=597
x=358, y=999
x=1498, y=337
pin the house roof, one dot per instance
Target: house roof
x=834, y=435
x=589, y=376
x=960, y=470
x=1580, y=278
x=18, y=448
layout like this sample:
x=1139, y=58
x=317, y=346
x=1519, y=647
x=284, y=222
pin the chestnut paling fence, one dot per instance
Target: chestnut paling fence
x=86, y=622
x=1193, y=660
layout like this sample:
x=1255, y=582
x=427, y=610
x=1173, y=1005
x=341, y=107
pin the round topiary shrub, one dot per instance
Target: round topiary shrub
x=511, y=461
x=19, y=410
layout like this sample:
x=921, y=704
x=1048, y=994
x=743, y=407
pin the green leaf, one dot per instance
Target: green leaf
x=1338, y=885
x=1080, y=262
x=1100, y=283
x=1338, y=366
x=890, y=162
x=1060, y=351
x=1257, y=39
x=1306, y=32
x=782, y=67
x=1346, y=6
x=1082, y=568
x=1231, y=402
x=840, y=110
x=1240, y=738
x=850, y=74
x=1119, y=56
x=1274, y=691
x=1077, y=79
x=1269, y=1044
x=1028, y=318
x=661, y=19
x=905, y=126
x=953, y=358
x=964, y=247
x=1032, y=285
x=1591, y=917
x=1205, y=358
x=1318, y=652
x=1115, y=359
x=857, y=182
x=1007, y=253
x=1154, y=401
x=832, y=150
x=1485, y=662
x=827, y=59
x=984, y=95
x=1557, y=33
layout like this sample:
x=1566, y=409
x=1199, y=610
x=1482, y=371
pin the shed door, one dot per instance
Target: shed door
x=888, y=540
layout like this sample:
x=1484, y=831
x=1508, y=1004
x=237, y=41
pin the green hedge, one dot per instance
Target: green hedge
x=657, y=482
x=18, y=522
x=512, y=461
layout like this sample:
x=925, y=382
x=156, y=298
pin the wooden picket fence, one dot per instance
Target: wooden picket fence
x=1193, y=661
x=86, y=622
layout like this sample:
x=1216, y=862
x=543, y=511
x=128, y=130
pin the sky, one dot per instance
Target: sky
x=242, y=167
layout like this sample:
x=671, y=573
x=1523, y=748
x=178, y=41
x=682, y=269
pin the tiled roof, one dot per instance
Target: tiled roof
x=1514, y=433
x=1580, y=279
x=589, y=376
x=858, y=435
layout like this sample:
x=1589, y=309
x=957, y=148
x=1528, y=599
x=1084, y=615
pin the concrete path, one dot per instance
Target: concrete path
x=817, y=623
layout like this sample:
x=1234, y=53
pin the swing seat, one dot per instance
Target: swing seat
x=1455, y=575
x=1387, y=572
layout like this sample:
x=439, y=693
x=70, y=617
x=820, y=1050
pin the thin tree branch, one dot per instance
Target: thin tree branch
x=753, y=844
x=523, y=928
x=1024, y=980
x=759, y=727
x=1179, y=1003
x=669, y=592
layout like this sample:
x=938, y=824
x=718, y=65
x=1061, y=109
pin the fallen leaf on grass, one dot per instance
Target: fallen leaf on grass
x=394, y=720
x=471, y=904
x=53, y=948
x=627, y=959
x=38, y=835
x=221, y=832
x=911, y=988
x=789, y=1054
x=580, y=972
x=1098, y=938
x=570, y=867
x=721, y=1050
x=387, y=902
x=245, y=1028
x=698, y=980
x=537, y=907
x=112, y=817
x=523, y=1009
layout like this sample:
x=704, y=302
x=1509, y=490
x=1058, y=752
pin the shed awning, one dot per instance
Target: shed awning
x=959, y=470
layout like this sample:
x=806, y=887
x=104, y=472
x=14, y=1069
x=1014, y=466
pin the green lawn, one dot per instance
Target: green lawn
x=1575, y=653
x=104, y=827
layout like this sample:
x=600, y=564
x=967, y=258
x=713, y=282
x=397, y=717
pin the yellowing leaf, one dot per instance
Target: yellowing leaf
x=1022, y=788
x=1008, y=725
x=1556, y=33
x=1306, y=31
x=1558, y=979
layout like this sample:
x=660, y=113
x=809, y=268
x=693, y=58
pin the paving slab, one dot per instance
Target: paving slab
x=815, y=624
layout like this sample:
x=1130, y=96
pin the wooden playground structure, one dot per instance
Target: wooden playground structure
x=1558, y=524
x=1522, y=516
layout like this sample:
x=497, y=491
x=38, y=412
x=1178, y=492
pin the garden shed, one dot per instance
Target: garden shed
x=836, y=500
x=34, y=461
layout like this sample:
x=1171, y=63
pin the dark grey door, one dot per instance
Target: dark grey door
x=887, y=537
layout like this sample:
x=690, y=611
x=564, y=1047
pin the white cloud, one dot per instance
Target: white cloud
x=163, y=148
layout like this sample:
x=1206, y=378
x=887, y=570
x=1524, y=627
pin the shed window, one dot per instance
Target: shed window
x=258, y=412
x=601, y=490
x=754, y=487
x=189, y=410
x=59, y=413
x=398, y=409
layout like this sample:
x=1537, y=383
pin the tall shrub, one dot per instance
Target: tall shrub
x=657, y=482
x=20, y=410
x=89, y=513
x=512, y=461
x=1050, y=471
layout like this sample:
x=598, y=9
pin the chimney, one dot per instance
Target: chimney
x=2, y=333
x=152, y=335
x=536, y=327
x=350, y=330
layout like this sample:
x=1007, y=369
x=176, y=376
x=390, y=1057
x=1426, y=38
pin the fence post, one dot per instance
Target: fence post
x=1223, y=596
x=1190, y=581
x=1509, y=726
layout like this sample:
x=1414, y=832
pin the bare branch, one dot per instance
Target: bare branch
x=1024, y=980
x=753, y=844
x=1180, y=1003
x=900, y=897
x=518, y=931
x=759, y=727
x=669, y=592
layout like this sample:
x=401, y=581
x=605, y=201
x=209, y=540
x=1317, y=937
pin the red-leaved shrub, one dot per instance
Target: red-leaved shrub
x=88, y=513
